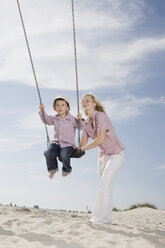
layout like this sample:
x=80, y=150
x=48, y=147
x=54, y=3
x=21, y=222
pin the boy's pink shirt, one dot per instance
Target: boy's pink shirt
x=64, y=129
x=112, y=144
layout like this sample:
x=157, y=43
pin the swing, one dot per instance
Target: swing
x=77, y=153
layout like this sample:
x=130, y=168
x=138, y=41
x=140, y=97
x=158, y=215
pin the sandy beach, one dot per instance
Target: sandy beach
x=38, y=228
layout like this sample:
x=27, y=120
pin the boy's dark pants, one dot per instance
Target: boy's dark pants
x=64, y=154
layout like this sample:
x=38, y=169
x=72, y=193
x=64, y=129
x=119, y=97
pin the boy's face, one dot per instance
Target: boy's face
x=61, y=107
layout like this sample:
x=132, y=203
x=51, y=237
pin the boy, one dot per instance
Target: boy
x=64, y=137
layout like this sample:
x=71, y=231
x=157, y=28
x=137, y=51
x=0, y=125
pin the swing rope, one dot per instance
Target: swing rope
x=34, y=73
x=33, y=69
x=76, y=67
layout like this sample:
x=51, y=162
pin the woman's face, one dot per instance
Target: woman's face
x=88, y=104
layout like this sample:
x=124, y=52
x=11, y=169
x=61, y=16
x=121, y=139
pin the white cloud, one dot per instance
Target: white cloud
x=110, y=14
x=145, y=100
x=17, y=143
x=128, y=107
x=2, y=168
x=162, y=99
x=4, y=140
x=101, y=62
x=162, y=167
x=30, y=122
x=138, y=49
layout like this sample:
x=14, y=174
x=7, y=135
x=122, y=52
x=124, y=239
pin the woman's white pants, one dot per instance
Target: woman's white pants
x=108, y=167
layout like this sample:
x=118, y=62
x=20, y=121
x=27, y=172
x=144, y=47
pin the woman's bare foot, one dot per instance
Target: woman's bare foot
x=51, y=175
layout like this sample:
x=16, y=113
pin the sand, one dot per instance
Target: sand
x=38, y=228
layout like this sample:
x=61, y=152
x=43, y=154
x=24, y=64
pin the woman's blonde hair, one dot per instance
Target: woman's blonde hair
x=99, y=106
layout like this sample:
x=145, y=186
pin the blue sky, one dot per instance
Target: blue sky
x=121, y=58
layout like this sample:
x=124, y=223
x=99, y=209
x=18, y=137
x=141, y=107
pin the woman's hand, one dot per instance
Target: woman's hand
x=79, y=148
x=41, y=107
x=83, y=149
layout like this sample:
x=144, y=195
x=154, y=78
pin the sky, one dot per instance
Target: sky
x=121, y=58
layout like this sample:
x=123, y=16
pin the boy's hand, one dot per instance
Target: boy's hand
x=41, y=107
x=79, y=116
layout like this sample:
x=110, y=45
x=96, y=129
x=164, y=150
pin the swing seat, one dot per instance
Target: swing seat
x=75, y=154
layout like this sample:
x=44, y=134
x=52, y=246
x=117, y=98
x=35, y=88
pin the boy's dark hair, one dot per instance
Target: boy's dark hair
x=54, y=102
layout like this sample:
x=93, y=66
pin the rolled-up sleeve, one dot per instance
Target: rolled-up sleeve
x=102, y=121
x=79, y=124
x=47, y=119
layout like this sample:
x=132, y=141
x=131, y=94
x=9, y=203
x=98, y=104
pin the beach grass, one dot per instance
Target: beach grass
x=116, y=209
x=141, y=205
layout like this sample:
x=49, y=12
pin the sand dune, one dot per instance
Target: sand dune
x=37, y=228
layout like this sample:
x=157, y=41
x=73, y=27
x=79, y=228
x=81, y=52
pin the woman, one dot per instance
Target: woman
x=100, y=129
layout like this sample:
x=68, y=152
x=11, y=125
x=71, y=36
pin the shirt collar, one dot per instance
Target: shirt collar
x=94, y=118
x=67, y=117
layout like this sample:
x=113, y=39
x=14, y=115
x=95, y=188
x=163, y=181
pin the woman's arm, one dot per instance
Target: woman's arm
x=84, y=141
x=96, y=142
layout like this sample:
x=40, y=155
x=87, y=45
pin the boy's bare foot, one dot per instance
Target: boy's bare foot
x=51, y=175
x=64, y=174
